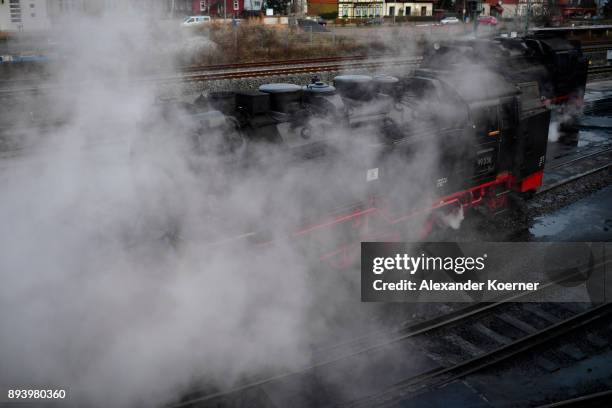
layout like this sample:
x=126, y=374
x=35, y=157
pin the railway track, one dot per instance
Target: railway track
x=301, y=69
x=206, y=69
x=589, y=49
x=472, y=338
x=600, y=72
x=10, y=93
x=260, y=64
x=587, y=163
x=238, y=71
x=244, y=70
x=600, y=69
x=520, y=316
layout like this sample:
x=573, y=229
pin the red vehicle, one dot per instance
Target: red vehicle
x=487, y=20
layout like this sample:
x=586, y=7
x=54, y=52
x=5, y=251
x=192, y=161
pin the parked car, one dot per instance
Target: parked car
x=308, y=25
x=487, y=20
x=191, y=21
x=449, y=20
x=319, y=20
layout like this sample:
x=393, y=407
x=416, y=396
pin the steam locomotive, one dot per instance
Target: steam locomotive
x=467, y=129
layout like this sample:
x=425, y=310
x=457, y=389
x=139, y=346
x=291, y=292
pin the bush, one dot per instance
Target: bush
x=253, y=41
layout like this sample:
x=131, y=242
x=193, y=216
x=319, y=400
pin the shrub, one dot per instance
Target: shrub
x=253, y=41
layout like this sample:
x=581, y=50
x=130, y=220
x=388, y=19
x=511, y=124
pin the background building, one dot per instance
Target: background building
x=23, y=15
x=32, y=15
x=409, y=8
x=253, y=7
x=225, y=8
x=176, y=8
x=373, y=8
x=360, y=8
x=501, y=8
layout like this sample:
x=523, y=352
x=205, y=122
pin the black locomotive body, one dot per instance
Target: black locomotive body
x=485, y=126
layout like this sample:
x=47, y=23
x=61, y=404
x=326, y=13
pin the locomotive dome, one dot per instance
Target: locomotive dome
x=279, y=88
x=283, y=97
x=386, y=84
x=352, y=79
x=319, y=88
x=385, y=79
x=354, y=86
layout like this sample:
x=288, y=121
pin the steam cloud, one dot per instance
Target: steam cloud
x=125, y=273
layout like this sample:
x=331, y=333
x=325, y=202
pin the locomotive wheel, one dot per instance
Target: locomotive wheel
x=518, y=201
x=528, y=195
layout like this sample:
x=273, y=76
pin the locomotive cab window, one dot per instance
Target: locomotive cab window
x=562, y=62
x=508, y=115
x=486, y=120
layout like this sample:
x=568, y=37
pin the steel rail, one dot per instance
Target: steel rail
x=295, y=70
x=211, y=76
x=579, y=158
x=257, y=64
x=591, y=400
x=589, y=48
x=574, y=178
x=241, y=65
x=600, y=69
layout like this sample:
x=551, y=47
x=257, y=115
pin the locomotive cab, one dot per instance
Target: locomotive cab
x=529, y=149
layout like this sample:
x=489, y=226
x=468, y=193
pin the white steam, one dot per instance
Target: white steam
x=453, y=218
x=126, y=272
x=553, y=131
x=94, y=297
x=566, y=115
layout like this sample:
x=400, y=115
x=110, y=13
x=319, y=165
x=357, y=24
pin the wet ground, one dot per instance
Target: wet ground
x=590, y=217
